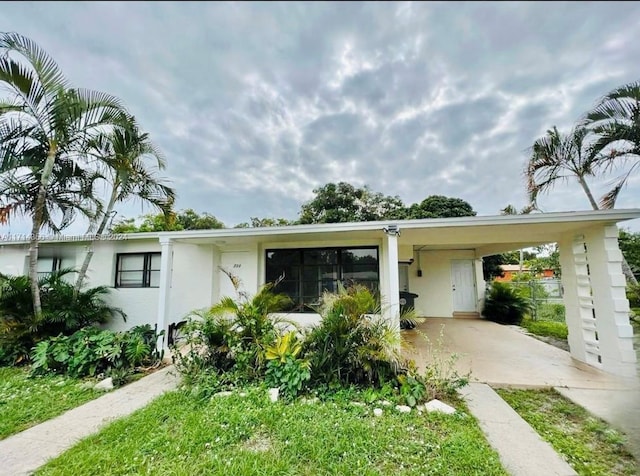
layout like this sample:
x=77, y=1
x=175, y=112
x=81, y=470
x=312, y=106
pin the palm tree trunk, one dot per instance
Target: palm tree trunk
x=103, y=224
x=587, y=191
x=34, y=240
x=626, y=269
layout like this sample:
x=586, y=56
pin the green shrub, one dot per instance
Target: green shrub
x=226, y=344
x=92, y=351
x=284, y=369
x=63, y=312
x=349, y=347
x=505, y=305
x=558, y=330
x=551, y=312
x=633, y=295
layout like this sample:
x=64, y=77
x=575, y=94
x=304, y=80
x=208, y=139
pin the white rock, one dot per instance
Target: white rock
x=358, y=404
x=106, y=384
x=403, y=408
x=242, y=394
x=377, y=411
x=436, y=405
x=273, y=394
x=385, y=403
x=224, y=393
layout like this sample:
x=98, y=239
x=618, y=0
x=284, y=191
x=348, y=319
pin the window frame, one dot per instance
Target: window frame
x=146, y=270
x=300, y=306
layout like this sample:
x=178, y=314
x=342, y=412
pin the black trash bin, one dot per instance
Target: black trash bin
x=407, y=301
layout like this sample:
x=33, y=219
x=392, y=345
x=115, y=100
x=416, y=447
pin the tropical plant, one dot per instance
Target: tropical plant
x=284, y=369
x=615, y=121
x=124, y=155
x=44, y=128
x=63, y=312
x=91, y=351
x=350, y=345
x=505, y=305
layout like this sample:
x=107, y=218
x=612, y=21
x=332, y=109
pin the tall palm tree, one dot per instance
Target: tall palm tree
x=615, y=122
x=558, y=158
x=44, y=121
x=128, y=161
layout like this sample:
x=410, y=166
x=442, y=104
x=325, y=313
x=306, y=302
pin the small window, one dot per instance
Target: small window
x=138, y=270
x=46, y=266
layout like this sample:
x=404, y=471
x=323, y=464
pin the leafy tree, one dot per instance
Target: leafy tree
x=491, y=267
x=630, y=246
x=265, y=222
x=615, y=121
x=185, y=220
x=129, y=161
x=44, y=128
x=439, y=206
x=342, y=202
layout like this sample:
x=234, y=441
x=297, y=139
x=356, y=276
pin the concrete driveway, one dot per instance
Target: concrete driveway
x=504, y=356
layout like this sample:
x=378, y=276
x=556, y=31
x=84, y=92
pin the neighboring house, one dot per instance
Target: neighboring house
x=509, y=271
x=159, y=277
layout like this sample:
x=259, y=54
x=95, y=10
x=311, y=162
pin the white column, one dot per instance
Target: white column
x=166, y=265
x=392, y=292
x=573, y=311
x=615, y=334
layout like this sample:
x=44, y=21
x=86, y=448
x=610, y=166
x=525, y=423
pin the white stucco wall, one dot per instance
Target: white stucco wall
x=140, y=304
x=191, y=279
x=13, y=259
x=434, y=287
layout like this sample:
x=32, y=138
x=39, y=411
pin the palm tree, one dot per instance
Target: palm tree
x=123, y=156
x=615, y=122
x=558, y=158
x=44, y=122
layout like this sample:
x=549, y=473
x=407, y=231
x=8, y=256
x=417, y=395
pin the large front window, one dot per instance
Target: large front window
x=138, y=270
x=306, y=273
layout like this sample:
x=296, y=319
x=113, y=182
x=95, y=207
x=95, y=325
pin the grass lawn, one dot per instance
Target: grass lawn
x=546, y=328
x=180, y=435
x=25, y=402
x=589, y=445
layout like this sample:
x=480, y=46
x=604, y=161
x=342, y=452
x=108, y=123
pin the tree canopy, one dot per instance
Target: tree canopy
x=184, y=220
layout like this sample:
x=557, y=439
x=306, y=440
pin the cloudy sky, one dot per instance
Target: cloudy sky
x=256, y=104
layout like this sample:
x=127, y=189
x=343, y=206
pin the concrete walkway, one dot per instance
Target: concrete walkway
x=522, y=452
x=502, y=356
x=23, y=453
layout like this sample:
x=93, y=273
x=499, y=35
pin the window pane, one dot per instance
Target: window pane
x=131, y=262
x=360, y=272
x=45, y=265
x=154, y=279
x=155, y=261
x=319, y=257
x=130, y=279
x=360, y=256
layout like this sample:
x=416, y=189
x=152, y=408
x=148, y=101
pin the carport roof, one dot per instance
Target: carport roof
x=485, y=234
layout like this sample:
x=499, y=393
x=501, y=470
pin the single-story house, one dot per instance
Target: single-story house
x=160, y=277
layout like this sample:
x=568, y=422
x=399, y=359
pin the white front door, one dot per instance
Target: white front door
x=238, y=264
x=463, y=286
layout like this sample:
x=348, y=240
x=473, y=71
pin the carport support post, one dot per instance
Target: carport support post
x=166, y=265
x=392, y=311
x=615, y=334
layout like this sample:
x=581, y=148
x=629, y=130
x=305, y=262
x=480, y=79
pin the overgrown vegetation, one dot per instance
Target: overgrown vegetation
x=589, y=445
x=26, y=401
x=238, y=342
x=63, y=312
x=505, y=305
x=245, y=435
x=90, y=352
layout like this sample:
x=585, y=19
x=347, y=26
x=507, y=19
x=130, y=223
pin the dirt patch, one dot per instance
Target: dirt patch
x=259, y=443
